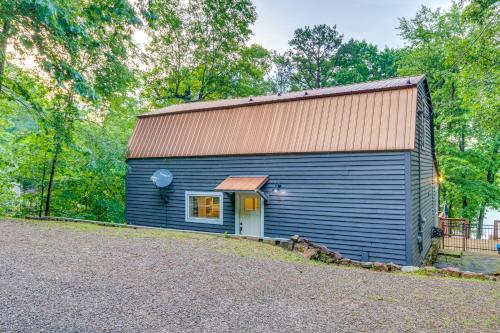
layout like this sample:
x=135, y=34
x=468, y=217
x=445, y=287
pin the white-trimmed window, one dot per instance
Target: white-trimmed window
x=204, y=207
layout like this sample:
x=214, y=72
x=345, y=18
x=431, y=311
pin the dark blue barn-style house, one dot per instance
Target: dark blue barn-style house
x=351, y=167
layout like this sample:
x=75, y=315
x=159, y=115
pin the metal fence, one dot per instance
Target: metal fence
x=459, y=234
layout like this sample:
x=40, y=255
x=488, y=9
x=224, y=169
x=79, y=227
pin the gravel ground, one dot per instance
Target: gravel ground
x=60, y=277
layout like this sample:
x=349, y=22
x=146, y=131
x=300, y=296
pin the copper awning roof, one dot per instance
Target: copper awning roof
x=372, y=116
x=242, y=183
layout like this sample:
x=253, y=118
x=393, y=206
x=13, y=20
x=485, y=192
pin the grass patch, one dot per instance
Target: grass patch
x=219, y=243
x=252, y=249
x=159, y=234
x=47, y=224
x=422, y=273
x=113, y=230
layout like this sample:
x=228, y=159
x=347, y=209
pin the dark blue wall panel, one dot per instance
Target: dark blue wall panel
x=352, y=202
x=422, y=171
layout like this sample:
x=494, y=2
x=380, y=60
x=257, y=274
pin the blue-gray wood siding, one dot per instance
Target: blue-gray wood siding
x=352, y=202
x=428, y=187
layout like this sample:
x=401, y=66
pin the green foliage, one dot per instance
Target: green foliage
x=198, y=51
x=458, y=51
x=53, y=112
x=359, y=61
x=80, y=44
x=318, y=57
x=89, y=182
x=313, y=55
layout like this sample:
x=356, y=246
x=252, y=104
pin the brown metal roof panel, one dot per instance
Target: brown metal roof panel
x=393, y=119
x=373, y=121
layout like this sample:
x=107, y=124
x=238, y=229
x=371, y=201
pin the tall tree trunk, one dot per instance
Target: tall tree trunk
x=42, y=189
x=318, y=73
x=4, y=36
x=462, y=139
x=480, y=221
x=51, y=179
x=462, y=149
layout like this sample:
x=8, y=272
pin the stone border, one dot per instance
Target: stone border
x=67, y=219
x=312, y=251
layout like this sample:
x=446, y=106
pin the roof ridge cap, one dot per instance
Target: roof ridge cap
x=282, y=97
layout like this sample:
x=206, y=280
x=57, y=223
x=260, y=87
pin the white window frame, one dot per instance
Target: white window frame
x=220, y=195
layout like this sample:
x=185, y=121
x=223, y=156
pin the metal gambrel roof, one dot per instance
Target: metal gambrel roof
x=372, y=116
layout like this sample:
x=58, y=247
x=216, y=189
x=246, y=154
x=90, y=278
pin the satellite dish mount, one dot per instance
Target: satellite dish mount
x=162, y=179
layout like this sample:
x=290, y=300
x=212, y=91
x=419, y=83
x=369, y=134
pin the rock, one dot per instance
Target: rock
x=270, y=241
x=330, y=261
x=451, y=271
x=310, y=253
x=393, y=267
x=284, y=244
x=409, y=269
x=430, y=269
x=367, y=264
x=336, y=255
x=380, y=266
x=493, y=278
x=301, y=247
x=322, y=248
x=471, y=275
x=345, y=261
x=295, y=238
x=356, y=263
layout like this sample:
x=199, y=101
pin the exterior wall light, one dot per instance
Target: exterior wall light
x=277, y=188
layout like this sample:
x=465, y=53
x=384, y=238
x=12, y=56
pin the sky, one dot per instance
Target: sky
x=372, y=20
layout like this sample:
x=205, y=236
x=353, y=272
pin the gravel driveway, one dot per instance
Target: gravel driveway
x=65, y=278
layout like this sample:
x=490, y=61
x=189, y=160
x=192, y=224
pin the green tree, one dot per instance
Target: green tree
x=281, y=77
x=81, y=50
x=359, y=61
x=247, y=75
x=63, y=32
x=318, y=57
x=313, y=56
x=194, y=48
x=457, y=49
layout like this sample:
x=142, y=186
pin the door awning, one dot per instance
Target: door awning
x=242, y=183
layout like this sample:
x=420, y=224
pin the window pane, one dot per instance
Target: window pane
x=251, y=203
x=204, y=207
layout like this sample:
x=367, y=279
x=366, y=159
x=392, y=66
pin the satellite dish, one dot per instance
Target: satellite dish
x=162, y=178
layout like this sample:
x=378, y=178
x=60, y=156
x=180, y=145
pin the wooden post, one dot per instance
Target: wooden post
x=442, y=240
